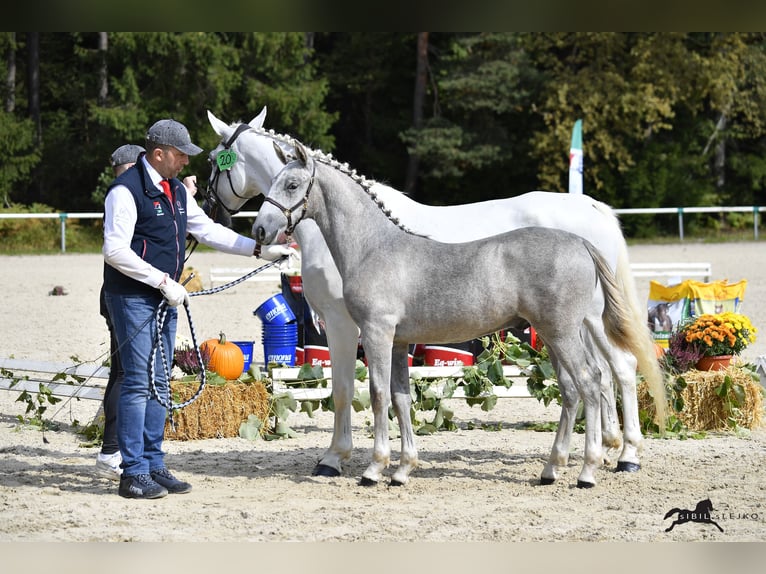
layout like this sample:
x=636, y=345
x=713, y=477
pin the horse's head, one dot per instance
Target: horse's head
x=242, y=166
x=287, y=201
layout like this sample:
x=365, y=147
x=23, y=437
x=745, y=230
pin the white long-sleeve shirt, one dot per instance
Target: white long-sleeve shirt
x=120, y=216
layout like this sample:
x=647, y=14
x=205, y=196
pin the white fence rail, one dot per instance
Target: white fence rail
x=680, y=211
x=754, y=209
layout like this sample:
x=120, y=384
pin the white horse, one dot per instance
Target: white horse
x=401, y=287
x=251, y=165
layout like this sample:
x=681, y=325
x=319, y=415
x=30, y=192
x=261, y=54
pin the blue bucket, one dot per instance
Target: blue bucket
x=275, y=311
x=282, y=354
x=282, y=333
x=247, y=351
x=279, y=343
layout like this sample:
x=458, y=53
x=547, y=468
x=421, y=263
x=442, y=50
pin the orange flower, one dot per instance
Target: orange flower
x=721, y=334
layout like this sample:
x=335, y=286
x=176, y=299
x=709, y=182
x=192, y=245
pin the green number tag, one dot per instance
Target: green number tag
x=226, y=159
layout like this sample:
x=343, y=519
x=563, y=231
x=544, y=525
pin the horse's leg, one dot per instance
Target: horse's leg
x=583, y=370
x=589, y=386
x=603, y=352
x=342, y=339
x=625, y=371
x=623, y=368
x=377, y=343
x=569, y=400
x=323, y=289
x=611, y=437
x=402, y=401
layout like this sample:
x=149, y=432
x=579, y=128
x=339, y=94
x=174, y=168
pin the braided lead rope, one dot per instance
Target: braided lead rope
x=160, y=315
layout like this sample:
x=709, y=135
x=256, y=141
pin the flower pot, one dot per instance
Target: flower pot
x=716, y=363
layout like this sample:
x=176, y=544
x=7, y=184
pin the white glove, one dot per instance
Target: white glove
x=175, y=293
x=274, y=252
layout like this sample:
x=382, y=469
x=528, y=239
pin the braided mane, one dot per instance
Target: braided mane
x=329, y=160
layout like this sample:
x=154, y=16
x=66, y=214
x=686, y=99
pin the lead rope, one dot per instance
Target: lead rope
x=160, y=316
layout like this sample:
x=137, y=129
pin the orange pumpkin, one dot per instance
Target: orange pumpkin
x=659, y=350
x=226, y=358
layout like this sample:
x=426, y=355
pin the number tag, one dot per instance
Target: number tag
x=226, y=159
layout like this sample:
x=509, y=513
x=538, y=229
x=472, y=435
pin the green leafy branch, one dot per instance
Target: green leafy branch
x=283, y=403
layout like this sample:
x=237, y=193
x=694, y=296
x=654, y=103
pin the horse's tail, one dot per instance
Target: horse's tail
x=626, y=326
x=648, y=364
x=671, y=512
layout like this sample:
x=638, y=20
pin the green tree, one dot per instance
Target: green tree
x=151, y=75
x=475, y=137
x=371, y=82
x=652, y=106
x=20, y=155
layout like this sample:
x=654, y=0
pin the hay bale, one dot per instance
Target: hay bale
x=704, y=409
x=218, y=411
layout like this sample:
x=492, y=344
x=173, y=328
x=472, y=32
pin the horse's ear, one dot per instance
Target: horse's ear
x=219, y=127
x=302, y=155
x=257, y=121
x=280, y=153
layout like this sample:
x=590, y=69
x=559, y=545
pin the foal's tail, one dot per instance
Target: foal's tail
x=626, y=326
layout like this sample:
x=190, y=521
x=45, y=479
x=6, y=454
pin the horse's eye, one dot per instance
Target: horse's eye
x=292, y=186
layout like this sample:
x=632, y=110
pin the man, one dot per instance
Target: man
x=147, y=213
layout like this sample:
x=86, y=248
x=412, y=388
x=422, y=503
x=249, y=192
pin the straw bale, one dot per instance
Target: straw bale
x=218, y=411
x=704, y=409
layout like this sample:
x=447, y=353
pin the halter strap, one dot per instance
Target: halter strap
x=210, y=193
x=288, y=211
x=240, y=128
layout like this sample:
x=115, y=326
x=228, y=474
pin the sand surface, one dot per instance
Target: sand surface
x=473, y=485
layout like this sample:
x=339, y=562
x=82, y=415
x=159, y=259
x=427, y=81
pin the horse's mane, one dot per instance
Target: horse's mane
x=329, y=160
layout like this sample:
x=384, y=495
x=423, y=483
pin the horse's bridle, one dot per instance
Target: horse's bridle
x=288, y=211
x=210, y=193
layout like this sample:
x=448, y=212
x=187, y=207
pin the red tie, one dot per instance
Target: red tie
x=165, y=185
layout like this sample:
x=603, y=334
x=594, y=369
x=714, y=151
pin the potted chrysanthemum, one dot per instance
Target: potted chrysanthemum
x=718, y=338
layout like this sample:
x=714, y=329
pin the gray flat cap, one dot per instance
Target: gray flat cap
x=172, y=133
x=127, y=153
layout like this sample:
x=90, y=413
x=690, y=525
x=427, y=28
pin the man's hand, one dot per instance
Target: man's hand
x=274, y=252
x=175, y=293
x=190, y=182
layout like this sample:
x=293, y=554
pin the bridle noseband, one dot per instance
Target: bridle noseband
x=288, y=211
x=210, y=193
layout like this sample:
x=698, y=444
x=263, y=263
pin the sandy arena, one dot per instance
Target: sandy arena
x=473, y=485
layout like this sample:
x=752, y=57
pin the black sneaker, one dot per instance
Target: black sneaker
x=141, y=486
x=174, y=486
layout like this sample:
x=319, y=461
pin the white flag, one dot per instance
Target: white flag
x=575, y=159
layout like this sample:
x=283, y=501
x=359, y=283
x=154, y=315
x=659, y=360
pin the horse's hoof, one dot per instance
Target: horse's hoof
x=367, y=482
x=546, y=481
x=396, y=483
x=624, y=466
x=325, y=470
x=585, y=484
